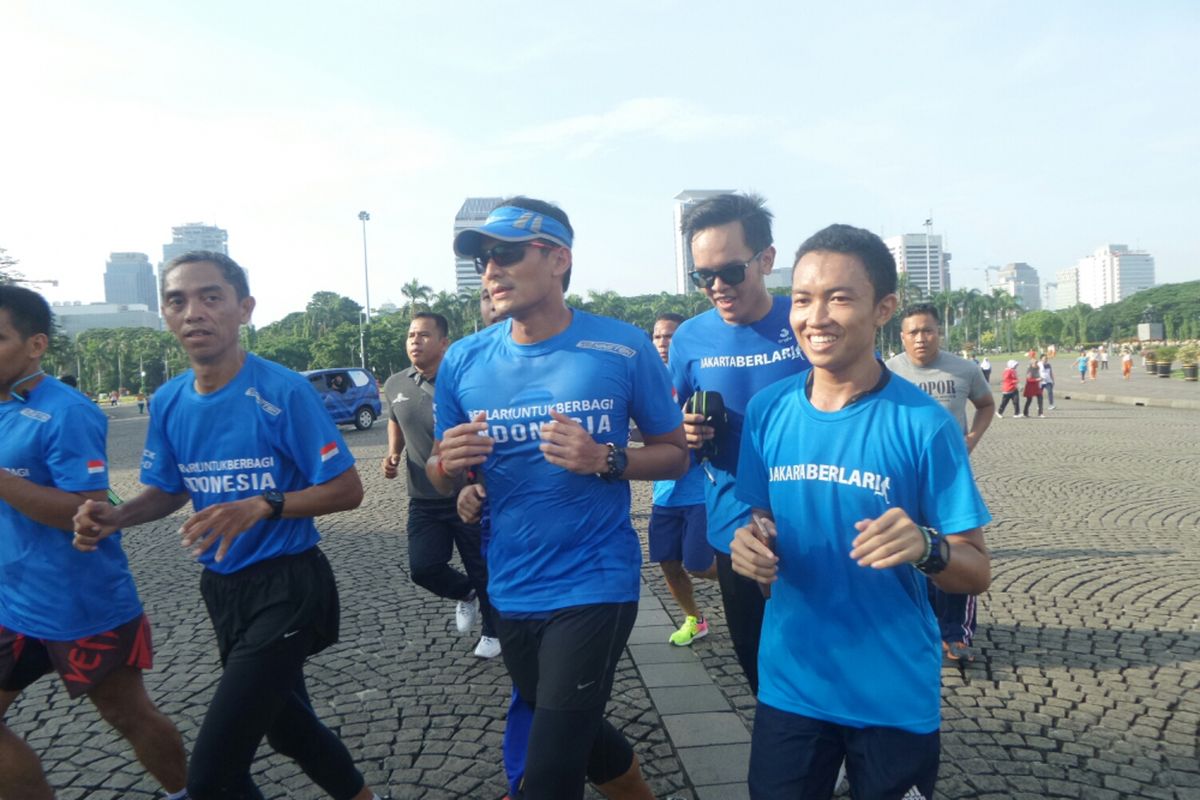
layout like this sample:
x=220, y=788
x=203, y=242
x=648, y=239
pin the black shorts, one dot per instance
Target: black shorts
x=566, y=661
x=82, y=663
x=256, y=607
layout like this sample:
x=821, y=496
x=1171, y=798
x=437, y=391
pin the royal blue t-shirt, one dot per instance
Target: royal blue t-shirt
x=709, y=354
x=265, y=429
x=558, y=539
x=48, y=589
x=852, y=645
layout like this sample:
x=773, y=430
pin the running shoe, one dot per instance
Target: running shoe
x=1051, y=408
x=691, y=630
x=467, y=613
x=1041, y=416
x=958, y=651
x=488, y=647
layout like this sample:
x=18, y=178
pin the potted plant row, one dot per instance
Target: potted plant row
x=1189, y=357
x=1165, y=357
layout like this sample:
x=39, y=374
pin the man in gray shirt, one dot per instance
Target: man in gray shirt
x=434, y=528
x=952, y=381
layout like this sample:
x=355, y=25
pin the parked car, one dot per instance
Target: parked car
x=350, y=395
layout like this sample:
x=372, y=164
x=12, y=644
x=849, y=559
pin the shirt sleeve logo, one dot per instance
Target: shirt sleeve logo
x=329, y=451
x=95, y=467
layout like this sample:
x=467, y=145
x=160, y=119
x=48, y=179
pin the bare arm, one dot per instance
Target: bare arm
x=460, y=448
x=985, y=412
x=47, y=505
x=892, y=539
x=96, y=519
x=391, y=461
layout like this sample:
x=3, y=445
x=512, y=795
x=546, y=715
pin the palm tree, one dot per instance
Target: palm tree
x=416, y=292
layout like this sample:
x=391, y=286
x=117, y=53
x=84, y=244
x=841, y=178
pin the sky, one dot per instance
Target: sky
x=1028, y=131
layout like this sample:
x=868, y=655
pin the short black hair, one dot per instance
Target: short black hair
x=858, y=242
x=918, y=309
x=442, y=325
x=229, y=269
x=550, y=210
x=669, y=316
x=748, y=209
x=28, y=310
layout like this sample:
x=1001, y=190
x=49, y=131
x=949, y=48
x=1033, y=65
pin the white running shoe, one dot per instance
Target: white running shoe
x=1051, y=408
x=466, y=614
x=1017, y=416
x=488, y=647
x=1041, y=416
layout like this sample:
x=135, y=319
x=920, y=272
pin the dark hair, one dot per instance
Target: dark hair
x=550, y=210
x=234, y=274
x=28, y=310
x=69, y=380
x=438, y=320
x=864, y=245
x=748, y=209
x=917, y=309
x=669, y=316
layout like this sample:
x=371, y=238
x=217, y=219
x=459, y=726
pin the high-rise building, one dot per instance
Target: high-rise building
x=683, y=250
x=78, y=317
x=1021, y=281
x=472, y=214
x=129, y=278
x=1112, y=273
x=1066, y=290
x=921, y=257
x=196, y=236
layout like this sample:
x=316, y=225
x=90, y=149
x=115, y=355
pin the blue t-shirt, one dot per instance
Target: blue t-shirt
x=687, y=491
x=709, y=354
x=558, y=539
x=265, y=429
x=48, y=589
x=852, y=645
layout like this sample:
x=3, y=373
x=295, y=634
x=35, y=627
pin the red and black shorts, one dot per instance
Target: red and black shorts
x=82, y=663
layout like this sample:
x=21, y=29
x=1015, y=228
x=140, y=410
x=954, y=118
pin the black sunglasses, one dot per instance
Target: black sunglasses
x=732, y=274
x=505, y=254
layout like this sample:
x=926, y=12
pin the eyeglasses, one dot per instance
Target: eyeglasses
x=506, y=254
x=732, y=274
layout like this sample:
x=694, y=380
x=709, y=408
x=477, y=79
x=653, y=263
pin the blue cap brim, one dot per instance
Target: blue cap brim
x=511, y=224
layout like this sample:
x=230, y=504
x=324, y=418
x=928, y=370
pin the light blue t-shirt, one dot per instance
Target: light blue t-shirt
x=852, y=645
x=265, y=429
x=48, y=589
x=737, y=361
x=558, y=539
x=687, y=491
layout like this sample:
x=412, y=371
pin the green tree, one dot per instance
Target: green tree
x=8, y=268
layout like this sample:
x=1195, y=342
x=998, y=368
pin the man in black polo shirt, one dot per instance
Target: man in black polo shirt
x=434, y=527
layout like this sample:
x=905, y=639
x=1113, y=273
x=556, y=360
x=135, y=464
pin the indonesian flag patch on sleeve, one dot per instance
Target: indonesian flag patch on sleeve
x=328, y=451
x=95, y=467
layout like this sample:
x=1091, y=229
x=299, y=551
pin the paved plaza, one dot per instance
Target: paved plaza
x=1087, y=683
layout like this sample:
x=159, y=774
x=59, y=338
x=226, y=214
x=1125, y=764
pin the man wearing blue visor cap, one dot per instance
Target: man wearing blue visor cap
x=539, y=406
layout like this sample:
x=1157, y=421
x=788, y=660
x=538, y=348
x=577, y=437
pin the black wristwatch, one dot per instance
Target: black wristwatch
x=937, y=551
x=275, y=499
x=617, y=462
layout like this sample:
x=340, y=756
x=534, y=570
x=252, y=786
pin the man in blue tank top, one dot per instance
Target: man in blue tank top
x=249, y=443
x=540, y=406
x=861, y=490
x=62, y=610
x=739, y=347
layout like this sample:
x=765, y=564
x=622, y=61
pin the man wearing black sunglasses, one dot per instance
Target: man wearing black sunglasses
x=742, y=345
x=540, y=405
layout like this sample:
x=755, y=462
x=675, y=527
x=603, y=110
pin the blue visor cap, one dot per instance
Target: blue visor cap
x=511, y=224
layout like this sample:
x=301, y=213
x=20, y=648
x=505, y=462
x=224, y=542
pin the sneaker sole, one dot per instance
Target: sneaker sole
x=688, y=643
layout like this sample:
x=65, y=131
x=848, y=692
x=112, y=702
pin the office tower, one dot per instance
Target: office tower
x=1113, y=272
x=129, y=279
x=1021, y=281
x=472, y=214
x=683, y=250
x=921, y=257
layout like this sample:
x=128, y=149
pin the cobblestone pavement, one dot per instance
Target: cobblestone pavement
x=1086, y=684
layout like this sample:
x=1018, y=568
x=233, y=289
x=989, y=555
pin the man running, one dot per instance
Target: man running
x=678, y=536
x=250, y=444
x=952, y=381
x=541, y=404
x=861, y=487
x=77, y=614
x=738, y=348
x=434, y=528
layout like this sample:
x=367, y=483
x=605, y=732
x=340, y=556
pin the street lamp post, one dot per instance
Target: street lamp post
x=928, y=265
x=362, y=338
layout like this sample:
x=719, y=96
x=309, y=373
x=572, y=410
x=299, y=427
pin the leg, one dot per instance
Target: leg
x=629, y=785
x=470, y=550
x=680, y=585
x=430, y=545
x=889, y=763
x=744, y=605
x=792, y=756
x=21, y=773
x=1028, y=400
x=516, y=739
x=122, y=701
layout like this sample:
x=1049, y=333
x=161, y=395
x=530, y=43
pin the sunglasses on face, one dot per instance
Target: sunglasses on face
x=732, y=274
x=505, y=254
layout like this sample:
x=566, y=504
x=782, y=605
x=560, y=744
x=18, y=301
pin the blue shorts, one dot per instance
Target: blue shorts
x=794, y=756
x=680, y=533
